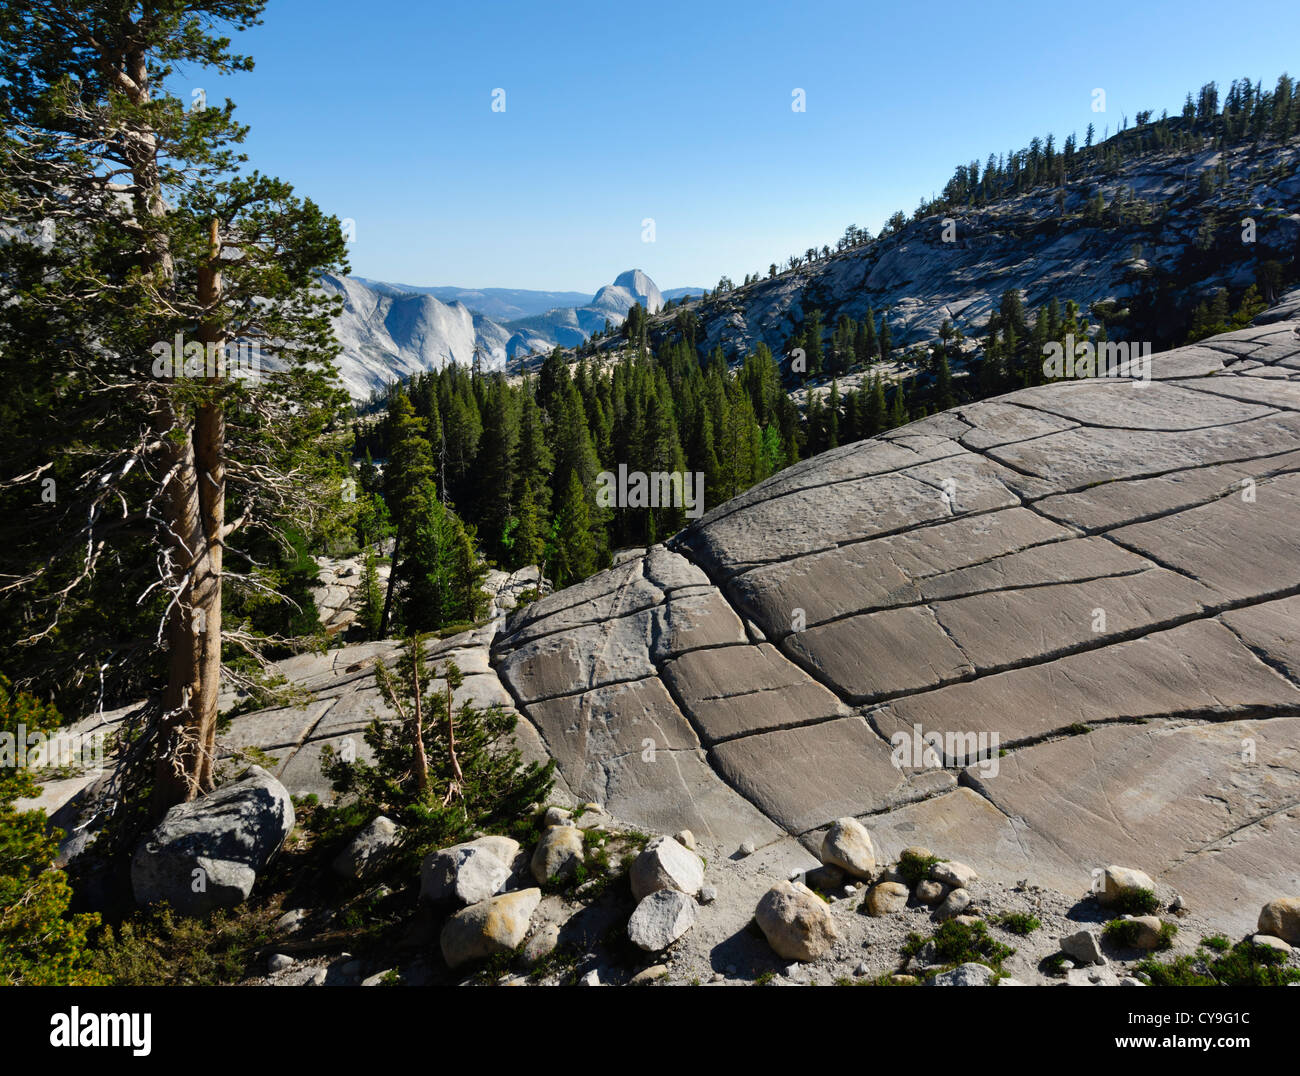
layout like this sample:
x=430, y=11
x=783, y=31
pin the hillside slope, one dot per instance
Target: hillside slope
x=1045, y=243
x=1095, y=582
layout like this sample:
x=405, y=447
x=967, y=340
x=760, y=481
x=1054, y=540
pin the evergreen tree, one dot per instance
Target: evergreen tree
x=571, y=551
x=440, y=575
x=40, y=943
x=159, y=239
x=442, y=772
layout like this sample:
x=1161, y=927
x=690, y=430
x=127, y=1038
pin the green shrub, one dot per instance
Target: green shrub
x=916, y=868
x=40, y=943
x=1245, y=964
x=960, y=943
x=1018, y=923
x=459, y=774
x=159, y=948
x=1126, y=931
x=1136, y=902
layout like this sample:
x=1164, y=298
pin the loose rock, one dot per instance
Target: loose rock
x=964, y=975
x=1281, y=919
x=886, y=898
x=660, y=919
x=467, y=873
x=495, y=925
x=930, y=893
x=847, y=845
x=665, y=864
x=222, y=839
x=1118, y=881
x=1084, y=946
x=558, y=853
x=1271, y=942
x=953, y=904
x=367, y=852
x=954, y=874
x=796, y=922
x=541, y=945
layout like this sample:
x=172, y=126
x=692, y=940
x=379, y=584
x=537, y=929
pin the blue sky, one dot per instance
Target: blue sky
x=681, y=112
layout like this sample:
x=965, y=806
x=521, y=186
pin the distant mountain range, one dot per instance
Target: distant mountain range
x=391, y=331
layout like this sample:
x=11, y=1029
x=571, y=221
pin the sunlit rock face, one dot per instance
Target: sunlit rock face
x=1056, y=630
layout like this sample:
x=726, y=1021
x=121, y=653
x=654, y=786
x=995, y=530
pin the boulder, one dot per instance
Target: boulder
x=542, y=944
x=956, y=902
x=1116, y=882
x=496, y=925
x=665, y=864
x=847, y=845
x=206, y=854
x=1270, y=942
x=660, y=919
x=796, y=922
x=965, y=975
x=930, y=893
x=952, y=873
x=469, y=872
x=367, y=852
x=1281, y=919
x=1084, y=946
x=558, y=853
x=1147, y=931
x=557, y=816
x=886, y=898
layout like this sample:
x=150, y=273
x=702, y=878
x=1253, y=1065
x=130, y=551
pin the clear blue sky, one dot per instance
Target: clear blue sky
x=681, y=112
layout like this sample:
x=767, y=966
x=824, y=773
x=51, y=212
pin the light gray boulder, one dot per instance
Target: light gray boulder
x=660, y=919
x=469, y=872
x=665, y=864
x=965, y=975
x=206, y=854
x=1084, y=946
x=367, y=852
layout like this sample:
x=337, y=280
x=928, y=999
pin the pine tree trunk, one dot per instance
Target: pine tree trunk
x=388, y=592
x=187, y=745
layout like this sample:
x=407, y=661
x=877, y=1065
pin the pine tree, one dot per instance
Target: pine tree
x=886, y=337
x=943, y=394
x=372, y=598
x=442, y=772
x=159, y=239
x=440, y=575
x=898, y=412
x=494, y=466
x=833, y=416
x=409, y=473
x=571, y=551
x=876, y=416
